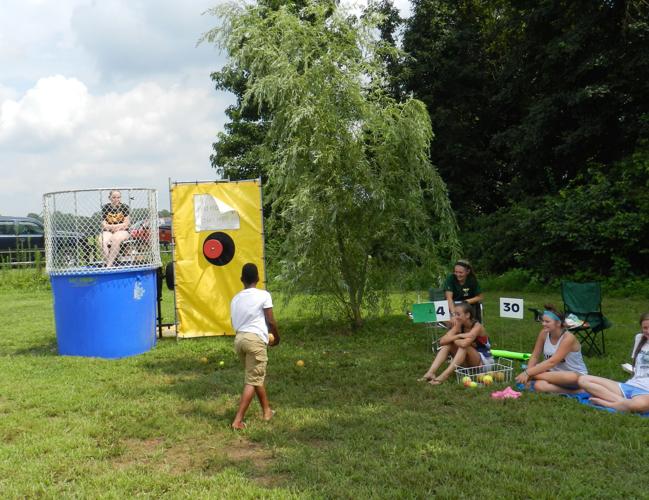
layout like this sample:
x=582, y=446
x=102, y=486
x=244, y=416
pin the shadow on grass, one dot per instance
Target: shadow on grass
x=45, y=348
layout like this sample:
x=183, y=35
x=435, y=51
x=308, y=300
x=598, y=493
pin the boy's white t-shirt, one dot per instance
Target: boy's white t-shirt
x=247, y=312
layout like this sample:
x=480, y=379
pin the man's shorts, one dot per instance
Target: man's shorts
x=631, y=391
x=252, y=353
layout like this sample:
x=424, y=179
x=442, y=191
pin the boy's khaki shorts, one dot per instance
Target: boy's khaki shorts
x=254, y=356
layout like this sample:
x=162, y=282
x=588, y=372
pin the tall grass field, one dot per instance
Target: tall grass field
x=351, y=423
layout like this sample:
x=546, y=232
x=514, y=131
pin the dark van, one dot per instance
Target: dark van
x=20, y=237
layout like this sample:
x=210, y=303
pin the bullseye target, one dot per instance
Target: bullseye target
x=218, y=249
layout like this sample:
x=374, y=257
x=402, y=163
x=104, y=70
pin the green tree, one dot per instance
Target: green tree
x=523, y=96
x=454, y=70
x=593, y=227
x=239, y=150
x=573, y=90
x=349, y=171
x=389, y=26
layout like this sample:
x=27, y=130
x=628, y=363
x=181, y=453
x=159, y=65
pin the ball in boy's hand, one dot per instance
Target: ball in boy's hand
x=271, y=339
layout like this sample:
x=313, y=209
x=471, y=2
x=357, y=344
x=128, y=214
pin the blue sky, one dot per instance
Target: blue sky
x=106, y=93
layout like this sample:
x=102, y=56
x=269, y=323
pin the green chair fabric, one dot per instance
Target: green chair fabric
x=584, y=300
x=436, y=294
x=424, y=313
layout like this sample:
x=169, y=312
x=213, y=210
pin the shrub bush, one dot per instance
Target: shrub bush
x=595, y=227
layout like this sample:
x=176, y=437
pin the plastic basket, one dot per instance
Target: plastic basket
x=501, y=372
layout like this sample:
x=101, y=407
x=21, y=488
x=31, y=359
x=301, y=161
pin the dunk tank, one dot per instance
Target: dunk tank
x=217, y=228
x=104, y=297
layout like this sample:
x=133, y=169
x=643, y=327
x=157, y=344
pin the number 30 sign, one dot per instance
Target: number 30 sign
x=511, y=308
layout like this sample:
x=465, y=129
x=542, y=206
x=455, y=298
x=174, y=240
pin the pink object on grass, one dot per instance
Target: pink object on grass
x=507, y=393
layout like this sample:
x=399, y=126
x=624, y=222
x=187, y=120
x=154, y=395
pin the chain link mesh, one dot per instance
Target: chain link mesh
x=91, y=231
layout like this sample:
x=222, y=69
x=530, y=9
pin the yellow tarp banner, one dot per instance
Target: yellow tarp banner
x=205, y=280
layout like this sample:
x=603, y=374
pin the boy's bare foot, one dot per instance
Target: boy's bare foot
x=268, y=415
x=238, y=426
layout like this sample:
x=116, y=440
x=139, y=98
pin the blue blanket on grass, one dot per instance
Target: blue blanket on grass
x=584, y=399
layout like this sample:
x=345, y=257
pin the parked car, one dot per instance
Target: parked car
x=25, y=235
x=140, y=230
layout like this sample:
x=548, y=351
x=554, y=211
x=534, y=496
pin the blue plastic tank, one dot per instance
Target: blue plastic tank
x=105, y=314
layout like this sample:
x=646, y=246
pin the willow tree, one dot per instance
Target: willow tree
x=349, y=174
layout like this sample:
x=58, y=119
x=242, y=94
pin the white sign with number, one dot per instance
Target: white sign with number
x=511, y=308
x=441, y=310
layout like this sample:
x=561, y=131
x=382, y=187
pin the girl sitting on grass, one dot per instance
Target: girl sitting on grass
x=632, y=395
x=466, y=341
x=563, y=363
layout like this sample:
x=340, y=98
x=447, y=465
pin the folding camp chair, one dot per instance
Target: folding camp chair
x=438, y=327
x=424, y=312
x=584, y=300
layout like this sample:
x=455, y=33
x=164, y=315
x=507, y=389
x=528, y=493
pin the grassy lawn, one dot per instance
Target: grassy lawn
x=351, y=423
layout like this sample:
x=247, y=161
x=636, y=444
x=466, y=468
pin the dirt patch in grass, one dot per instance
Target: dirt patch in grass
x=257, y=458
x=206, y=456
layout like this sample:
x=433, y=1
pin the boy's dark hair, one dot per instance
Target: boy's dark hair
x=249, y=274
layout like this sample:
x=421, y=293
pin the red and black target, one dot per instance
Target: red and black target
x=218, y=249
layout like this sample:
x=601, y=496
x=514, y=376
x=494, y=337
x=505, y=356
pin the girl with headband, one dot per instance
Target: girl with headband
x=563, y=363
x=632, y=395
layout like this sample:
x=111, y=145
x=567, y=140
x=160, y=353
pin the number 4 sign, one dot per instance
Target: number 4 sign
x=511, y=308
x=441, y=310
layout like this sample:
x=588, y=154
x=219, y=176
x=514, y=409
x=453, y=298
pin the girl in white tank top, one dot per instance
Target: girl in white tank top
x=573, y=362
x=563, y=363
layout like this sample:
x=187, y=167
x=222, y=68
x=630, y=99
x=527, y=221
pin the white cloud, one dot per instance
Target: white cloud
x=50, y=111
x=106, y=93
x=36, y=41
x=139, y=37
x=65, y=138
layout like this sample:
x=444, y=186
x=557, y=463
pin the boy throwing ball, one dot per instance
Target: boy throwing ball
x=251, y=313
